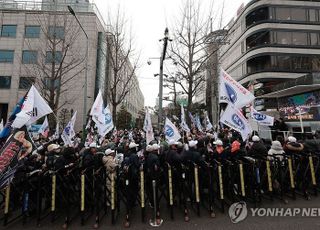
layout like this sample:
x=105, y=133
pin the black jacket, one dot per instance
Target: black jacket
x=258, y=150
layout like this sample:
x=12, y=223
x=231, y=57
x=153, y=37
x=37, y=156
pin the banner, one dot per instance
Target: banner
x=44, y=129
x=68, y=132
x=171, y=131
x=231, y=91
x=233, y=118
x=183, y=123
x=147, y=127
x=18, y=146
x=262, y=119
x=33, y=108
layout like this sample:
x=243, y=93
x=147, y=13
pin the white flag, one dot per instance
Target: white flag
x=233, y=118
x=57, y=132
x=262, y=119
x=147, y=127
x=171, y=131
x=101, y=116
x=208, y=123
x=33, y=108
x=183, y=123
x=40, y=107
x=44, y=128
x=1, y=125
x=68, y=132
x=97, y=109
x=231, y=91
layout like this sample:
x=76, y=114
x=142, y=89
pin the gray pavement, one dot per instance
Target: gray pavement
x=221, y=221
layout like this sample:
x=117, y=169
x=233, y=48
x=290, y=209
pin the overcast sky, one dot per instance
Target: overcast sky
x=148, y=19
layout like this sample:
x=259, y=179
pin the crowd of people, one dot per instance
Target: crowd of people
x=128, y=150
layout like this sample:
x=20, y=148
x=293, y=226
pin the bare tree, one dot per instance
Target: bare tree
x=188, y=48
x=57, y=61
x=120, y=52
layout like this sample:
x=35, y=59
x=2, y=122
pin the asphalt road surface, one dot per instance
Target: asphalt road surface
x=221, y=221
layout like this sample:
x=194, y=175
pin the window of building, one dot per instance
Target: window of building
x=256, y=16
x=32, y=32
x=26, y=82
x=258, y=39
x=9, y=31
x=283, y=62
x=298, y=14
x=299, y=38
x=301, y=63
x=5, y=82
x=284, y=37
x=259, y=63
x=29, y=57
x=312, y=15
x=283, y=13
x=49, y=82
x=6, y=56
x=54, y=57
x=56, y=32
x=316, y=63
x=314, y=39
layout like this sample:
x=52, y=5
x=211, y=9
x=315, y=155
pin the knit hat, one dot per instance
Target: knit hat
x=276, y=145
x=292, y=139
x=255, y=138
x=192, y=143
x=108, y=152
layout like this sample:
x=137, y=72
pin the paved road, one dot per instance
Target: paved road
x=221, y=221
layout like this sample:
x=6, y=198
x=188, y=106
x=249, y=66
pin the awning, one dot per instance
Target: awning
x=294, y=87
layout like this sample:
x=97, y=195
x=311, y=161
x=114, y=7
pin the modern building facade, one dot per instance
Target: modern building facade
x=272, y=42
x=41, y=43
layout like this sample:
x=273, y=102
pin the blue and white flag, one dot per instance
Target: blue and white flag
x=230, y=91
x=234, y=119
x=193, y=120
x=1, y=125
x=171, y=131
x=261, y=118
x=198, y=123
x=183, y=123
x=5, y=132
x=44, y=129
x=68, y=133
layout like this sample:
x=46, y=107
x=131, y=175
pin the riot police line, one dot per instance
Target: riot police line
x=67, y=182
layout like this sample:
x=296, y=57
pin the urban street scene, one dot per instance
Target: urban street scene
x=172, y=114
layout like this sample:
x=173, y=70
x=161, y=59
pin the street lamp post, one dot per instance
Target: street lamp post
x=163, y=56
x=86, y=73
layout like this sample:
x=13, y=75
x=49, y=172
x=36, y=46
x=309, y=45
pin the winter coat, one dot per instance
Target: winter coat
x=109, y=163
